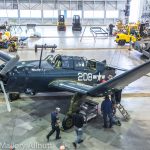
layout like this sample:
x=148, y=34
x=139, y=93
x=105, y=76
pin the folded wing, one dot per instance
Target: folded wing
x=117, y=83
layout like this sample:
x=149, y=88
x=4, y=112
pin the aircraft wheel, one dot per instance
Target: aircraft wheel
x=67, y=122
x=121, y=42
x=13, y=96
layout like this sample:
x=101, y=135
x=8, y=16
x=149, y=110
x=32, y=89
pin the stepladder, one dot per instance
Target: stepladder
x=123, y=111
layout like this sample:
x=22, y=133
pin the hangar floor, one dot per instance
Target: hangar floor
x=29, y=122
x=66, y=39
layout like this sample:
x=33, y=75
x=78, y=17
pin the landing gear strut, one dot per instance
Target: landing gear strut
x=67, y=122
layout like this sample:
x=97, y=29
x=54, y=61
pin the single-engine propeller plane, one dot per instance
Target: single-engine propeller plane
x=64, y=73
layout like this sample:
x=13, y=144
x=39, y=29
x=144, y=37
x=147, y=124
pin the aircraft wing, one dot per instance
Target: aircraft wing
x=116, y=83
x=71, y=86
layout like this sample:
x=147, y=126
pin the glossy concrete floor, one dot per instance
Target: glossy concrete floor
x=66, y=39
x=29, y=122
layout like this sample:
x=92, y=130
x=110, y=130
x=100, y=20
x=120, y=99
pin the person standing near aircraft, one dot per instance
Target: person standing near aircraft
x=55, y=124
x=78, y=122
x=106, y=109
x=111, y=26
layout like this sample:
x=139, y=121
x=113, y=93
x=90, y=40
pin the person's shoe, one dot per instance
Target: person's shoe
x=47, y=138
x=58, y=138
x=80, y=141
x=75, y=145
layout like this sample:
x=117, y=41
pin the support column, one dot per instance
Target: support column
x=18, y=12
x=82, y=11
x=104, y=12
x=127, y=11
x=42, y=11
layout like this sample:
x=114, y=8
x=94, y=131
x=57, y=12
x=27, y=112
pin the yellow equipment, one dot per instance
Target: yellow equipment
x=131, y=34
x=9, y=42
x=7, y=33
x=61, y=23
x=120, y=26
x=122, y=39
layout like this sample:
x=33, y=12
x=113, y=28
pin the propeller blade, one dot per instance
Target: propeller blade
x=5, y=96
x=10, y=65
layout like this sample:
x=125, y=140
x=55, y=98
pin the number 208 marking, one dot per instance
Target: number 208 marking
x=85, y=76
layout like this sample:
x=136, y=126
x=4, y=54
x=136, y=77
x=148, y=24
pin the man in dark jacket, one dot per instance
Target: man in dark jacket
x=54, y=124
x=106, y=109
x=78, y=122
x=111, y=26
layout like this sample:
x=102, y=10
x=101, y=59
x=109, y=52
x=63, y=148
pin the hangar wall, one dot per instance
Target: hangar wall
x=98, y=12
x=145, y=13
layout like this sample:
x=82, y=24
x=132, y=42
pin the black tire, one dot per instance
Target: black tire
x=67, y=122
x=14, y=96
x=121, y=42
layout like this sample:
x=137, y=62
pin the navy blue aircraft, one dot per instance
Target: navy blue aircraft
x=64, y=73
x=36, y=76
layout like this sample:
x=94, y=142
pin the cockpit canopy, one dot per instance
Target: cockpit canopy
x=77, y=63
x=73, y=62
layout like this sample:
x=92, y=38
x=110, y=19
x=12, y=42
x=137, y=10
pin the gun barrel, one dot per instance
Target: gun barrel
x=45, y=46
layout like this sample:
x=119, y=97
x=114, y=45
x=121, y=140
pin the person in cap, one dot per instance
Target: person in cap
x=55, y=124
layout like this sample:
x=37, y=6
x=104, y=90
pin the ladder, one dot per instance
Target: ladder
x=123, y=111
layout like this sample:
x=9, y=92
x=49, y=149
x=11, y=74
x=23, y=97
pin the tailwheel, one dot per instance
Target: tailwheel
x=67, y=122
x=14, y=96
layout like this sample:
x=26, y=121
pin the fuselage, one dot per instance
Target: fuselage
x=27, y=75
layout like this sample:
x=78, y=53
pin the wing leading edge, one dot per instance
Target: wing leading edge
x=118, y=82
x=71, y=86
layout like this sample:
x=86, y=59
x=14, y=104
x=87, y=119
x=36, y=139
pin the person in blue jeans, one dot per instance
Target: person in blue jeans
x=107, y=110
x=78, y=122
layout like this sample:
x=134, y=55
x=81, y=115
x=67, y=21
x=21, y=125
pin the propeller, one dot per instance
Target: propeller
x=5, y=96
x=8, y=67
